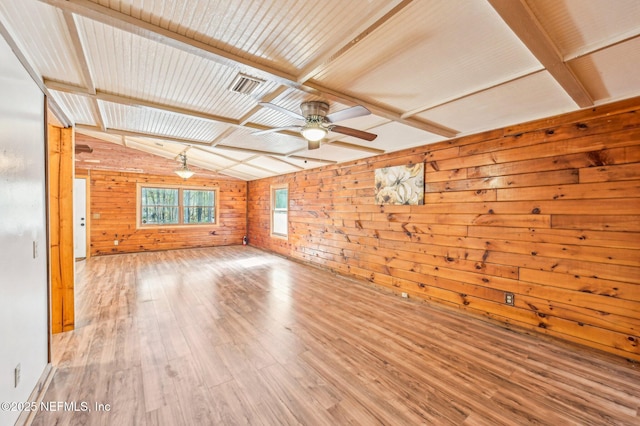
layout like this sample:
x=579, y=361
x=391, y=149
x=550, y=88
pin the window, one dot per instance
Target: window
x=159, y=206
x=199, y=206
x=163, y=206
x=280, y=210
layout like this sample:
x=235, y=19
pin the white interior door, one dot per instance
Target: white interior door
x=79, y=218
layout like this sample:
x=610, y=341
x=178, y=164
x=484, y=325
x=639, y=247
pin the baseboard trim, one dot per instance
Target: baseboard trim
x=26, y=418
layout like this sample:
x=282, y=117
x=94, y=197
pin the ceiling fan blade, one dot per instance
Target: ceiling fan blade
x=345, y=114
x=353, y=132
x=276, y=129
x=282, y=110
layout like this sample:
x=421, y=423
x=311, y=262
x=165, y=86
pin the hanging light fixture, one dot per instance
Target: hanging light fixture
x=184, y=171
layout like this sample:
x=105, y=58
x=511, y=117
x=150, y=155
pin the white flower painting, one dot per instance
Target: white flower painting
x=400, y=185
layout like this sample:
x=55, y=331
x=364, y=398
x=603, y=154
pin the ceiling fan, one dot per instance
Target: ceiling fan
x=317, y=123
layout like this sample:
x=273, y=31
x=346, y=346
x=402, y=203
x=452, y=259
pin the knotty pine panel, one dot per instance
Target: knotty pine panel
x=547, y=210
x=113, y=215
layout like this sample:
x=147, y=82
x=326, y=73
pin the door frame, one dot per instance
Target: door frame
x=86, y=176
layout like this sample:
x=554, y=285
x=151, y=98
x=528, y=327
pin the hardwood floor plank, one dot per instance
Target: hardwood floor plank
x=235, y=335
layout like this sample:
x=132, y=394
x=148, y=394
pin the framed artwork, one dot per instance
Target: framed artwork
x=400, y=185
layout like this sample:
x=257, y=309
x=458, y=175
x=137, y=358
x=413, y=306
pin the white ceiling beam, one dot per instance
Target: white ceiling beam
x=125, y=100
x=356, y=147
x=286, y=162
x=267, y=98
x=79, y=51
x=356, y=37
x=600, y=45
x=520, y=18
x=110, y=17
x=246, y=163
x=276, y=154
x=217, y=154
x=55, y=108
x=120, y=132
x=466, y=95
x=113, y=18
x=387, y=113
x=222, y=136
x=85, y=71
x=204, y=144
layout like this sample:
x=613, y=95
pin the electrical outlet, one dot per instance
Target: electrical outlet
x=16, y=375
x=115, y=242
x=405, y=295
x=509, y=299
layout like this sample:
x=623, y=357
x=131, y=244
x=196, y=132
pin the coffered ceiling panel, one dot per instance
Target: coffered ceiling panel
x=612, y=73
x=42, y=34
x=534, y=95
x=155, y=122
x=203, y=76
x=283, y=33
x=578, y=27
x=432, y=52
x=80, y=107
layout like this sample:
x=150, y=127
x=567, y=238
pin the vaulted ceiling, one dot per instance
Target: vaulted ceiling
x=157, y=75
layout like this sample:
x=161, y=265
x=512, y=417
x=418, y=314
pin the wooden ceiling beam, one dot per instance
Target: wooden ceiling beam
x=519, y=17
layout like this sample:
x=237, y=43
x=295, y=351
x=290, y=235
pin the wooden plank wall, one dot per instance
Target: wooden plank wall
x=113, y=214
x=61, y=260
x=548, y=210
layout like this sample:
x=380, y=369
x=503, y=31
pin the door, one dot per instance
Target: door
x=79, y=218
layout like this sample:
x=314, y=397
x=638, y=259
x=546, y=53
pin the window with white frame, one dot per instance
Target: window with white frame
x=175, y=206
x=280, y=210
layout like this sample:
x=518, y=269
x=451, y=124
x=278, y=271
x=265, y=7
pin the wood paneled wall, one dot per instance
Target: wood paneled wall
x=61, y=260
x=113, y=214
x=548, y=211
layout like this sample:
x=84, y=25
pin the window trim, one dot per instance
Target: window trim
x=272, y=209
x=180, y=188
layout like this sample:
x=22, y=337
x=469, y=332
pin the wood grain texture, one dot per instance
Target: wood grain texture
x=115, y=170
x=547, y=210
x=234, y=335
x=61, y=261
x=113, y=215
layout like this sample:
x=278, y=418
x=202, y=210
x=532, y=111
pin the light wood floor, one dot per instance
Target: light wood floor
x=234, y=335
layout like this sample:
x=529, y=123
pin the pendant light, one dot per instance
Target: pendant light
x=184, y=171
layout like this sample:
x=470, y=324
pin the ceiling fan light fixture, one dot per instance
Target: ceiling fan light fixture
x=313, y=130
x=314, y=134
x=184, y=171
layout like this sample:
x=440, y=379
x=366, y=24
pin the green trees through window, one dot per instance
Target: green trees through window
x=198, y=206
x=177, y=206
x=279, y=211
x=159, y=206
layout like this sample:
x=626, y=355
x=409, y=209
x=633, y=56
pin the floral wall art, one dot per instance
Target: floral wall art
x=400, y=185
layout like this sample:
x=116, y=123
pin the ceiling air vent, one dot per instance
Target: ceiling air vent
x=245, y=84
